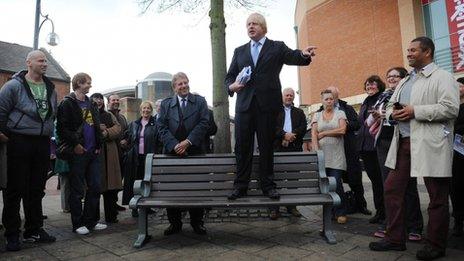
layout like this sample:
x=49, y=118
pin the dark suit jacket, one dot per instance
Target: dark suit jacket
x=212, y=129
x=264, y=82
x=299, y=125
x=195, y=119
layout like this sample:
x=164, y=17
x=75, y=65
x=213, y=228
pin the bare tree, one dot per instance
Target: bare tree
x=218, y=46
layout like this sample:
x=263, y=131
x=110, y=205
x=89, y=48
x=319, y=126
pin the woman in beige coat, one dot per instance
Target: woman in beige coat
x=110, y=168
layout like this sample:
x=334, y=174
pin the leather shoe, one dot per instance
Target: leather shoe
x=272, y=194
x=199, y=229
x=274, y=215
x=429, y=253
x=237, y=193
x=365, y=211
x=172, y=229
x=377, y=219
x=384, y=245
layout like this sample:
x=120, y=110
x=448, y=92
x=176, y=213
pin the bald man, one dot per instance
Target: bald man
x=27, y=114
x=353, y=172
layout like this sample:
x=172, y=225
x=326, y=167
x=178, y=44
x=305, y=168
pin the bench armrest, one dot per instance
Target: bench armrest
x=142, y=188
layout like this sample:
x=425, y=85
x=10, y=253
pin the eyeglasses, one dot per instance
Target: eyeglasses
x=393, y=76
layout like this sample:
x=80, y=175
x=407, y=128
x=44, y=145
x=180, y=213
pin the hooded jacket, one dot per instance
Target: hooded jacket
x=18, y=108
x=69, y=119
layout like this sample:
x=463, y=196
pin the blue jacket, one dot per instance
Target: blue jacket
x=195, y=119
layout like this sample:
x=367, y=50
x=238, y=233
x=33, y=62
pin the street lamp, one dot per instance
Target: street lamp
x=52, y=38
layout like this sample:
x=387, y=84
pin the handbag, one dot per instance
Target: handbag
x=64, y=151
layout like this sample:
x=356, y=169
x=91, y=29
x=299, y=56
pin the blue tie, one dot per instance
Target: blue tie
x=255, y=52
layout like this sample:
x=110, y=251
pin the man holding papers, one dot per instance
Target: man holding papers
x=259, y=99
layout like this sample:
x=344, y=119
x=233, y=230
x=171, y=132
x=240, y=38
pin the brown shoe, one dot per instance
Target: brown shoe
x=341, y=219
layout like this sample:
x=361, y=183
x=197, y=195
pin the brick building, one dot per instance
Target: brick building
x=12, y=60
x=358, y=38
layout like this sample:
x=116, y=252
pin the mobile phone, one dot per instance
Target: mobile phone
x=397, y=106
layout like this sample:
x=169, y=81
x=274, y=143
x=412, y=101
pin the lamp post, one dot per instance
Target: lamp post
x=52, y=38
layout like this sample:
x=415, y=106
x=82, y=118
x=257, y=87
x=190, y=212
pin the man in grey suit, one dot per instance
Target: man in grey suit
x=183, y=123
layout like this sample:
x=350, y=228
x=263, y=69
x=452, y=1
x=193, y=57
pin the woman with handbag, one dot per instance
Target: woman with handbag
x=140, y=139
x=373, y=86
x=327, y=129
x=109, y=158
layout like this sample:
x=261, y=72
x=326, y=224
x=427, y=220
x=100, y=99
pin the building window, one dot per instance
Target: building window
x=444, y=24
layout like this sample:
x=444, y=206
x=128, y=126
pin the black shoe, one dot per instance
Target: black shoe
x=364, y=211
x=112, y=221
x=12, y=243
x=429, y=253
x=135, y=213
x=458, y=228
x=384, y=245
x=173, y=229
x=44, y=216
x=272, y=194
x=274, y=215
x=237, y=193
x=120, y=208
x=377, y=219
x=199, y=229
x=40, y=237
x=294, y=212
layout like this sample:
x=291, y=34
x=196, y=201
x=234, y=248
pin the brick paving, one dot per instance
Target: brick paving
x=243, y=234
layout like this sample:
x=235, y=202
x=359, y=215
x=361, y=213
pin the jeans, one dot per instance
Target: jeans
x=337, y=174
x=84, y=182
x=27, y=165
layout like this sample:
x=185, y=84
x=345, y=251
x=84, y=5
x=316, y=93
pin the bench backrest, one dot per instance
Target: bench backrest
x=212, y=175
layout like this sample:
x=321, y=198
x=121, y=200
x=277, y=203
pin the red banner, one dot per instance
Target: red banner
x=455, y=11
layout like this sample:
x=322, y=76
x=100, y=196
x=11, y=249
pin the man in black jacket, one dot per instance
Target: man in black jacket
x=353, y=171
x=258, y=102
x=27, y=112
x=290, y=129
x=78, y=126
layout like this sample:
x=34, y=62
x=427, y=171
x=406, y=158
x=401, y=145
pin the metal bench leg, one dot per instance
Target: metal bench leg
x=327, y=231
x=143, y=236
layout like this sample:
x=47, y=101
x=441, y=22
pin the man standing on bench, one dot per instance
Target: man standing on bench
x=259, y=99
x=183, y=122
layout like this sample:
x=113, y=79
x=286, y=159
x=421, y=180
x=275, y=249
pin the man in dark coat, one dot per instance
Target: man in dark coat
x=290, y=129
x=258, y=101
x=183, y=124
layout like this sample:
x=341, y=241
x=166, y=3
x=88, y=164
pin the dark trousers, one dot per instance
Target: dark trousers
x=175, y=216
x=457, y=187
x=414, y=219
x=110, y=198
x=337, y=174
x=353, y=176
x=27, y=165
x=395, y=189
x=371, y=165
x=84, y=182
x=246, y=124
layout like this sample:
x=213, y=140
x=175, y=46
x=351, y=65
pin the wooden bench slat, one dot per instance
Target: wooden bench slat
x=195, y=161
x=225, y=193
x=229, y=185
x=227, y=177
x=242, y=202
x=176, y=169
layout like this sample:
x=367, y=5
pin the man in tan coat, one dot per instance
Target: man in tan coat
x=424, y=106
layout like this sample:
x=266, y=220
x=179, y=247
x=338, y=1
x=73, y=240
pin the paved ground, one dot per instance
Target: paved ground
x=239, y=235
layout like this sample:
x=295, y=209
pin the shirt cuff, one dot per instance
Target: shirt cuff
x=189, y=142
x=305, y=56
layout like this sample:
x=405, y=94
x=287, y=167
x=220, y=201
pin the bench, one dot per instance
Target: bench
x=205, y=182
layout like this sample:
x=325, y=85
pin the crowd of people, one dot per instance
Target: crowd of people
x=405, y=129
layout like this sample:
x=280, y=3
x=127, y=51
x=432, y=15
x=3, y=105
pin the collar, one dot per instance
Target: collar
x=177, y=100
x=426, y=71
x=180, y=98
x=287, y=108
x=261, y=41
